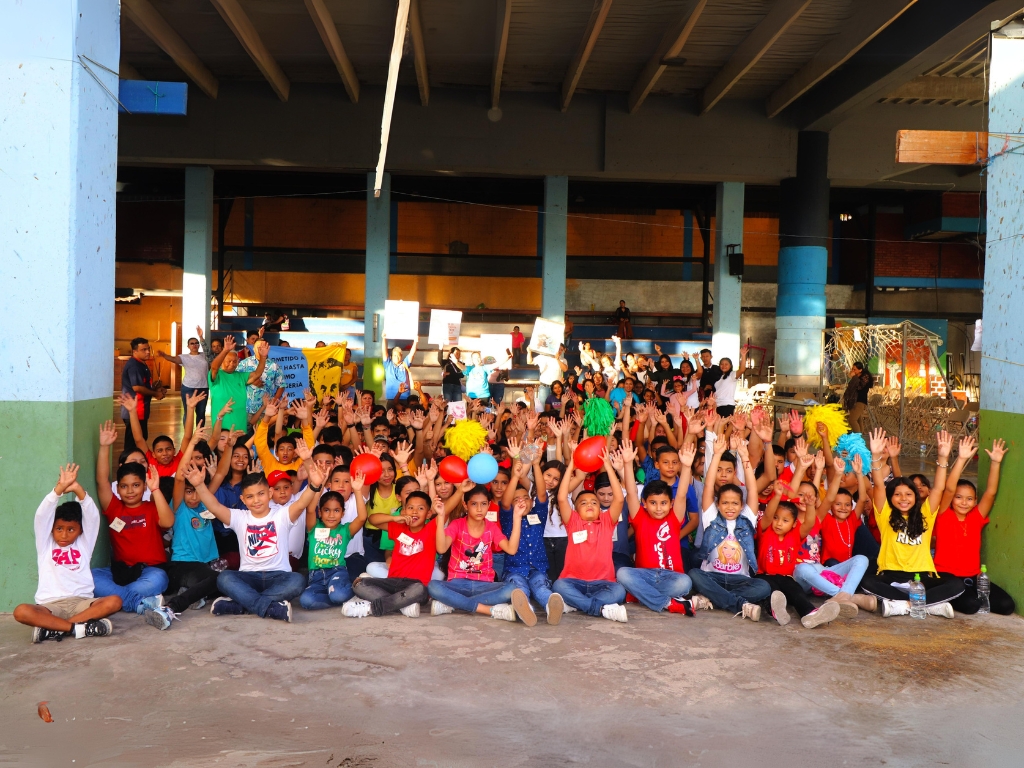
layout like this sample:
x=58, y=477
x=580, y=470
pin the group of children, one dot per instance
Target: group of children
x=692, y=509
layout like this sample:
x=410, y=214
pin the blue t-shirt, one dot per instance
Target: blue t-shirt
x=393, y=376
x=231, y=497
x=193, y=540
x=531, y=553
x=476, y=381
x=618, y=397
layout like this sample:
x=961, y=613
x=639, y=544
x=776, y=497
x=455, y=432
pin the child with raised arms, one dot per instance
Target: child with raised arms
x=328, y=583
x=65, y=537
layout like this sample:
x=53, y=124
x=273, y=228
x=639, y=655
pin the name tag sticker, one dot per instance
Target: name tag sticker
x=615, y=533
x=405, y=538
x=492, y=517
x=117, y=524
x=533, y=519
x=322, y=534
x=207, y=514
x=578, y=537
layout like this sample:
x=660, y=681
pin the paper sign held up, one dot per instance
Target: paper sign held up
x=494, y=348
x=401, y=319
x=547, y=336
x=445, y=325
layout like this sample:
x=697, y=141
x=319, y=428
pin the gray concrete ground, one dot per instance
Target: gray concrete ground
x=662, y=690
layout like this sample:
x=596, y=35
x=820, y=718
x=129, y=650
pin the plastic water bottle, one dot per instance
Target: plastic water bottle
x=984, y=587
x=918, y=602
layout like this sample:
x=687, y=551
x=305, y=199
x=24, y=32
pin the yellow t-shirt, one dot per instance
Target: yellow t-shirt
x=898, y=552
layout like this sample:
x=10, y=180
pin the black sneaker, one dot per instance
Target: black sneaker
x=39, y=635
x=281, y=611
x=94, y=628
x=225, y=606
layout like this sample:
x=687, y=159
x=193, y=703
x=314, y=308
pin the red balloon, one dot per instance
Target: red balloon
x=453, y=469
x=589, y=454
x=369, y=465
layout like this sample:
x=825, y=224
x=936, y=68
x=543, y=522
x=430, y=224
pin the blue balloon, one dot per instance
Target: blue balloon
x=482, y=468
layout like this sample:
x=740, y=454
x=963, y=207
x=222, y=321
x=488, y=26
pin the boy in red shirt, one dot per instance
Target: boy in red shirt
x=658, y=580
x=160, y=453
x=588, y=581
x=474, y=540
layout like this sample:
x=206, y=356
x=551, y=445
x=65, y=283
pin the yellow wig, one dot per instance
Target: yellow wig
x=465, y=438
x=832, y=416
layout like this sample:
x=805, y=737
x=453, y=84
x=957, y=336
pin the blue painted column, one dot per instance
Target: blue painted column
x=58, y=157
x=378, y=273
x=803, y=267
x=727, y=294
x=198, y=259
x=556, y=209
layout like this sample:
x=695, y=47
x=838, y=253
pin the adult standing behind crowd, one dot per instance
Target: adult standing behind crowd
x=855, y=398
x=270, y=383
x=227, y=384
x=712, y=373
x=396, y=371
x=137, y=382
x=195, y=378
x=451, y=373
x=552, y=368
x=625, y=320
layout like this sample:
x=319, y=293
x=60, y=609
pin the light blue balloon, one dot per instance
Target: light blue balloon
x=482, y=468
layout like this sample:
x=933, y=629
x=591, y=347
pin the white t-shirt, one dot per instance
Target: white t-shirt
x=725, y=390
x=554, y=528
x=550, y=370
x=64, y=571
x=355, y=544
x=297, y=534
x=196, y=369
x=262, y=541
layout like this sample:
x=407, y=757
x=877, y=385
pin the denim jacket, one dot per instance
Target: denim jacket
x=715, y=531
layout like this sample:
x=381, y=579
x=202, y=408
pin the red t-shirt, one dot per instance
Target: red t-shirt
x=657, y=541
x=958, y=543
x=588, y=552
x=414, y=553
x=837, y=537
x=810, y=549
x=473, y=558
x=775, y=557
x=164, y=470
x=140, y=540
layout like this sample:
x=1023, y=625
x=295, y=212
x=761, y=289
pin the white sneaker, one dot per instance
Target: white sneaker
x=555, y=608
x=356, y=609
x=827, y=613
x=615, y=612
x=568, y=608
x=437, y=608
x=523, y=609
x=503, y=612
x=780, y=610
x=701, y=603
x=412, y=611
x=895, y=608
x=750, y=611
x=945, y=610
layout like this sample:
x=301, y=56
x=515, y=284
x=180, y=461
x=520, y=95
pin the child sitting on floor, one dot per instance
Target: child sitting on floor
x=264, y=583
x=958, y=530
x=412, y=564
x=65, y=537
x=587, y=582
x=473, y=541
x=727, y=549
x=328, y=582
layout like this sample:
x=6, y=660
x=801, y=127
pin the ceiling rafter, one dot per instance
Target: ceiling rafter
x=572, y=76
x=239, y=23
x=419, y=52
x=328, y=30
x=156, y=28
x=669, y=48
x=501, y=25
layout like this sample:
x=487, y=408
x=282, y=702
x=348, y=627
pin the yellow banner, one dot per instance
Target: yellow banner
x=327, y=369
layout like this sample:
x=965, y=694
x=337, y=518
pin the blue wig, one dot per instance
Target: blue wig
x=851, y=444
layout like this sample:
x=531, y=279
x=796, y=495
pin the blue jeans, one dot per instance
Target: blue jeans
x=809, y=575
x=466, y=594
x=535, y=584
x=543, y=392
x=654, y=587
x=327, y=588
x=590, y=596
x=153, y=581
x=256, y=590
x=727, y=591
x=452, y=392
x=200, y=409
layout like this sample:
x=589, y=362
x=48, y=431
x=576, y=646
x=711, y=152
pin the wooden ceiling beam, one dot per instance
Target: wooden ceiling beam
x=872, y=17
x=954, y=88
x=572, y=76
x=156, y=28
x=501, y=25
x=419, y=52
x=669, y=48
x=749, y=52
x=126, y=71
x=329, y=34
x=238, y=21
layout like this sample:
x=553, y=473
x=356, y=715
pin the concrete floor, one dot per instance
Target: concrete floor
x=662, y=690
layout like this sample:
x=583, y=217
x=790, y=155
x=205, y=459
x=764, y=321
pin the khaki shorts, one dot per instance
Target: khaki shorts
x=67, y=607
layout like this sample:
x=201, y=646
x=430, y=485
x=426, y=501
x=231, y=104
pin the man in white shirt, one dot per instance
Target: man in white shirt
x=551, y=369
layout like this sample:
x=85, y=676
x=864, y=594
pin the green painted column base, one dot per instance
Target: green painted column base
x=373, y=376
x=35, y=439
x=1002, y=548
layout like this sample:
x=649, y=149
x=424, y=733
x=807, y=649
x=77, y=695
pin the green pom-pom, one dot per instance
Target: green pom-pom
x=598, y=417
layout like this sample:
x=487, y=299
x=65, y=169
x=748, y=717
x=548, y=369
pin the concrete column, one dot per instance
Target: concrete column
x=59, y=161
x=198, y=261
x=725, y=336
x=556, y=208
x=803, y=267
x=1002, y=386
x=378, y=272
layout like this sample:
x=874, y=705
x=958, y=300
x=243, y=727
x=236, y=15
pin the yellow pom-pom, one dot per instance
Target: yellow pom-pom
x=832, y=416
x=466, y=438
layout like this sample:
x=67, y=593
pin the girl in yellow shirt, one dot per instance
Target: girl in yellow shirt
x=905, y=522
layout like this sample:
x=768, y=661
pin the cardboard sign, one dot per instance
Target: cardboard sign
x=401, y=319
x=457, y=409
x=547, y=336
x=445, y=325
x=494, y=348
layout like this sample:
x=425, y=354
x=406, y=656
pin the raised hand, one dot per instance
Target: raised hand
x=416, y=419
x=628, y=451
x=108, y=432
x=892, y=446
x=967, y=448
x=152, y=479
x=301, y=409
x=688, y=453
x=998, y=450
x=876, y=442
x=796, y=424
x=195, y=475
x=945, y=444
x=402, y=453
x=68, y=477
x=404, y=419
x=262, y=349
x=819, y=461
x=270, y=407
x=230, y=343
x=358, y=482
x=822, y=429
x=255, y=467
x=858, y=465
x=192, y=401
x=514, y=447
x=201, y=434
x=839, y=464
x=227, y=406
x=438, y=508
x=322, y=418
x=800, y=447
x=616, y=461
x=128, y=402
x=520, y=507
x=304, y=451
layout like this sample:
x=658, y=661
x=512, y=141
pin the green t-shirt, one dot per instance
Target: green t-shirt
x=327, y=546
x=230, y=386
